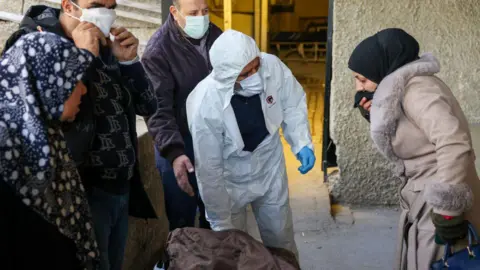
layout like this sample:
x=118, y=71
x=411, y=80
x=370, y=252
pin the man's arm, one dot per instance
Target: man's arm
x=296, y=127
x=207, y=138
x=140, y=87
x=162, y=125
x=125, y=48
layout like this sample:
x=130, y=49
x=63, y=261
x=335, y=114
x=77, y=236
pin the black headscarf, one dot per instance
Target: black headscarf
x=383, y=53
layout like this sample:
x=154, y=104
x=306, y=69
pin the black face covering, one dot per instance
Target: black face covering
x=358, y=97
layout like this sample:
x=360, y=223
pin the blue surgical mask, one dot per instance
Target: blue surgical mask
x=252, y=85
x=196, y=26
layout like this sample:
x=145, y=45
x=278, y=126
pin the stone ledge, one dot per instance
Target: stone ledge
x=13, y=6
x=129, y=13
x=12, y=17
x=141, y=6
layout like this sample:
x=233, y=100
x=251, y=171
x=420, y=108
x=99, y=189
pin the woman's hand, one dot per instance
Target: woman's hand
x=365, y=104
x=449, y=229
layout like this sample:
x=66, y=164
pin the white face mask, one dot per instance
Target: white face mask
x=251, y=86
x=102, y=17
x=196, y=26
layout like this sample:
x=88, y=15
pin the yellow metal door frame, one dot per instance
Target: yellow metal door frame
x=258, y=21
x=227, y=14
x=264, y=25
x=261, y=10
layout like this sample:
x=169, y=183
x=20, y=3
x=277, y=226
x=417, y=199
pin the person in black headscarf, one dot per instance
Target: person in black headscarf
x=384, y=52
x=45, y=221
x=417, y=123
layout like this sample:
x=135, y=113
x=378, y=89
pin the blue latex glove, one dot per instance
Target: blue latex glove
x=307, y=158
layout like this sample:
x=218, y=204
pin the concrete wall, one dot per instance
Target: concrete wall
x=6, y=28
x=448, y=28
x=12, y=6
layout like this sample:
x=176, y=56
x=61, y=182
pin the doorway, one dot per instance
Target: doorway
x=297, y=32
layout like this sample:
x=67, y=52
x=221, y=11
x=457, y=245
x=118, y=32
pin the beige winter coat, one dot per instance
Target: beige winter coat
x=417, y=123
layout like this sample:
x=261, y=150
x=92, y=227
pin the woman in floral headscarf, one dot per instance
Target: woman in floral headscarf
x=45, y=219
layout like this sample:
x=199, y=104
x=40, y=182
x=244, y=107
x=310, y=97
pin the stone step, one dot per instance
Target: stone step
x=342, y=215
x=148, y=2
x=141, y=6
x=140, y=17
x=133, y=11
x=11, y=17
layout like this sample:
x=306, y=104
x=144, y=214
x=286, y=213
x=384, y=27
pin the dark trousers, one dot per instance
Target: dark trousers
x=181, y=209
x=110, y=217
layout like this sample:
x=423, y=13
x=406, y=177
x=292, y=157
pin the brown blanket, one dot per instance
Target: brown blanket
x=192, y=248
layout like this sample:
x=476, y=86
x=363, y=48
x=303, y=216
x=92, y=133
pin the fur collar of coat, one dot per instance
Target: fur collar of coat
x=387, y=105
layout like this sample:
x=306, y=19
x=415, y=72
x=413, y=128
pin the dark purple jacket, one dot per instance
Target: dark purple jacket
x=175, y=67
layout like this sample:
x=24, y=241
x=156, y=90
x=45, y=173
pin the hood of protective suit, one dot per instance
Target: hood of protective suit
x=229, y=54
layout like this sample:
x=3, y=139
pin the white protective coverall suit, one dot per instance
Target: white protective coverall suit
x=229, y=178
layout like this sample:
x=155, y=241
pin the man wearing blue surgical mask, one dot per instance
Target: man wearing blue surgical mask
x=234, y=116
x=176, y=59
x=102, y=139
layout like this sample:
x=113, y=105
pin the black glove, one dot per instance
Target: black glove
x=449, y=229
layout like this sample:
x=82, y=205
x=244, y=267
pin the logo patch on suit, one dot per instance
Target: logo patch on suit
x=270, y=101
